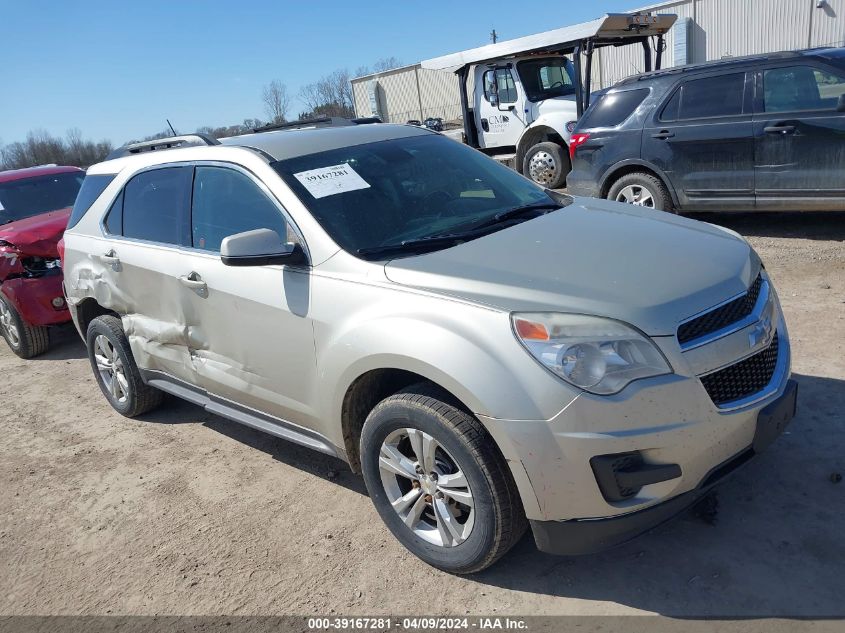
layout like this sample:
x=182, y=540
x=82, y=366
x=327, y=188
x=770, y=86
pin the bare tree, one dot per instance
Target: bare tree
x=331, y=95
x=276, y=101
x=41, y=148
x=386, y=63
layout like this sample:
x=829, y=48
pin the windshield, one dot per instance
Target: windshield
x=27, y=197
x=546, y=78
x=407, y=189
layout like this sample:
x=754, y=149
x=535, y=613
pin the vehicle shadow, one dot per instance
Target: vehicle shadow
x=776, y=548
x=178, y=411
x=65, y=344
x=803, y=225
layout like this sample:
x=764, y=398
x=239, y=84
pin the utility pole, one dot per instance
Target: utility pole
x=494, y=36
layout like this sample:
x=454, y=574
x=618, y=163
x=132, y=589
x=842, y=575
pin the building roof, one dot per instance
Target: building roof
x=611, y=26
x=32, y=172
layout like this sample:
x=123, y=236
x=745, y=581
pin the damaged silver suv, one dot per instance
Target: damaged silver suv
x=488, y=354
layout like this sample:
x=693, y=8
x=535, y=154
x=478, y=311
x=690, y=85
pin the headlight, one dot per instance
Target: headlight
x=598, y=355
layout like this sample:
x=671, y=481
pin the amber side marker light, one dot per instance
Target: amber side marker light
x=531, y=331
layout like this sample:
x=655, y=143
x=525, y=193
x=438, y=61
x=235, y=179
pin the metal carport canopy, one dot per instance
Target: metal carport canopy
x=612, y=29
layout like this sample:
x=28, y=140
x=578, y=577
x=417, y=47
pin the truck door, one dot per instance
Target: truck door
x=498, y=107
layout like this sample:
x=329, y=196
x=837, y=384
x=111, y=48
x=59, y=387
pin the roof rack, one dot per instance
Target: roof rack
x=323, y=121
x=171, y=142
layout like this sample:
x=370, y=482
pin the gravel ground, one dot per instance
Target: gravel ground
x=185, y=513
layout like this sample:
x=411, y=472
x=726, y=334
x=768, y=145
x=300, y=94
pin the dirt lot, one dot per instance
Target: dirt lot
x=185, y=513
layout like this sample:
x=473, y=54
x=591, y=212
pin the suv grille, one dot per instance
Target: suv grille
x=722, y=316
x=745, y=378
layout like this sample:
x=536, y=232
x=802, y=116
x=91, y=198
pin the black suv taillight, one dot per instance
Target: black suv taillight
x=576, y=141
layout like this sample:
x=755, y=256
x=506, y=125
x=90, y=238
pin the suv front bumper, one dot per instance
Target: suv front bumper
x=33, y=299
x=584, y=536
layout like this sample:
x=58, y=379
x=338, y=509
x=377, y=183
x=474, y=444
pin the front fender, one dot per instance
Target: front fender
x=467, y=350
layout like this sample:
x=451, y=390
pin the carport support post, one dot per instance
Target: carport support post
x=588, y=74
x=579, y=88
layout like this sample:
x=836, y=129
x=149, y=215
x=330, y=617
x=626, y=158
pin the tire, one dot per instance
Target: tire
x=129, y=396
x=482, y=531
x=25, y=340
x=546, y=164
x=653, y=192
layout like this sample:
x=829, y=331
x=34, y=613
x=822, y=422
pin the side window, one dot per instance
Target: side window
x=488, y=78
x=712, y=97
x=91, y=189
x=670, y=110
x=797, y=88
x=114, y=218
x=228, y=202
x=155, y=205
x=507, y=89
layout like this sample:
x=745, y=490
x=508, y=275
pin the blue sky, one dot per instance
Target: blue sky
x=117, y=69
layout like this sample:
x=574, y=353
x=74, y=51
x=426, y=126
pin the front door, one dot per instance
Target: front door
x=250, y=335
x=800, y=138
x=498, y=107
x=702, y=139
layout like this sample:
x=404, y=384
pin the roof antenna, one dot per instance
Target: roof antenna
x=171, y=127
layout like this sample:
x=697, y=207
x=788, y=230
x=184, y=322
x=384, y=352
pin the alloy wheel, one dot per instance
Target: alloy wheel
x=112, y=371
x=7, y=322
x=426, y=487
x=541, y=168
x=637, y=195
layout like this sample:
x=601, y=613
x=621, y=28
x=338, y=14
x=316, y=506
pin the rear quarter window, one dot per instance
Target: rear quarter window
x=91, y=189
x=613, y=108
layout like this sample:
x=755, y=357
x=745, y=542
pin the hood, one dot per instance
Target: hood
x=647, y=268
x=38, y=235
x=558, y=104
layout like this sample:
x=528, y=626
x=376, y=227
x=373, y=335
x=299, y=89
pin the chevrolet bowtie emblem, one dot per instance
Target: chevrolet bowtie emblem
x=761, y=334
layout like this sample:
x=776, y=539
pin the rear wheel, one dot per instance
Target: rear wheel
x=438, y=481
x=24, y=339
x=547, y=165
x=115, y=369
x=643, y=190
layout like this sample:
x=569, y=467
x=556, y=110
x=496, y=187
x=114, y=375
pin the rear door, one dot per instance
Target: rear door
x=800, y=137
x=498, y=108
x=701, y=137
x=146, y=226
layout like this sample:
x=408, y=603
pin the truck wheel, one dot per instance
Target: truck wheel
x=24, y=339
x=115, y=369
x=438, y=481
x=642, y=190
x=547, y=165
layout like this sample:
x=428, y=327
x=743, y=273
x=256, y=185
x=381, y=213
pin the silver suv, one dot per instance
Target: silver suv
x=488, y=354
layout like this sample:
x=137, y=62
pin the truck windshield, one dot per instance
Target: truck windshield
x=546, y=78
x=27, y=197
x=384, y=195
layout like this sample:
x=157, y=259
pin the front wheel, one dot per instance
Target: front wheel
x=24, y=339
x=547, y=165
x=438, y=481
x=642, y=190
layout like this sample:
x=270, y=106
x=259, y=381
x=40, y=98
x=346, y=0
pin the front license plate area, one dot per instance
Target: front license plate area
x=774, y=417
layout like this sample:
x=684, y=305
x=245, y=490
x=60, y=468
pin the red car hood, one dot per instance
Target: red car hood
x=38, y=235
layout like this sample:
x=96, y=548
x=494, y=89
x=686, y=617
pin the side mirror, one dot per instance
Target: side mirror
x=261, y=247
x=840, y=105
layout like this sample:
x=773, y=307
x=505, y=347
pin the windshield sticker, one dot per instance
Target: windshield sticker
x=327, y=181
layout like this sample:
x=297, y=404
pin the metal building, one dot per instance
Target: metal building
x=705, y=30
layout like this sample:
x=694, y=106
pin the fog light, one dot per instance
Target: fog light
x=58, y=302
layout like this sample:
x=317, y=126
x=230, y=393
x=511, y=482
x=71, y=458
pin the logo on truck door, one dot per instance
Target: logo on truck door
x=498, y=123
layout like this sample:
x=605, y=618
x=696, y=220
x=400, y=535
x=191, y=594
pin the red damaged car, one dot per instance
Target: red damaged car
x=35, y=205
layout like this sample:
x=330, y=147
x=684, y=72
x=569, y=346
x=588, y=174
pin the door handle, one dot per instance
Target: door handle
x=193, y=281
x=485, y=125
x=663, y=134
x=779, y=129
x=109, y=257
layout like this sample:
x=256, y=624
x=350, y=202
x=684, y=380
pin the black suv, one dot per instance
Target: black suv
x=764, y=132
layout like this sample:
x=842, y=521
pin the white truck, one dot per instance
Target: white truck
x=527, y=94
